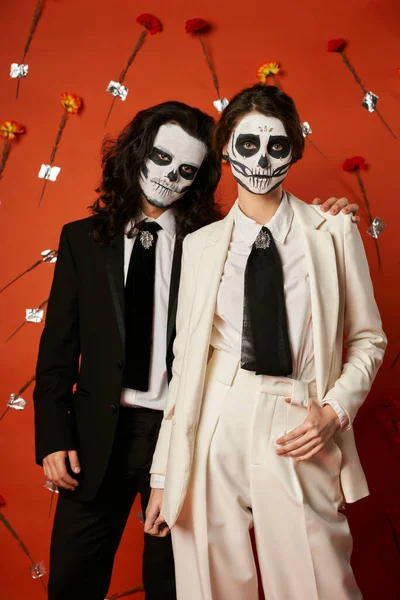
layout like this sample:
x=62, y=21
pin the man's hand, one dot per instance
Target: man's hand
x=55, y=468
x=309, y=438
x=155, y=524
x=335, y=205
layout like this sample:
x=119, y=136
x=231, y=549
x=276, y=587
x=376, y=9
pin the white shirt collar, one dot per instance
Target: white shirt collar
x=166, y=221
x=279, y=225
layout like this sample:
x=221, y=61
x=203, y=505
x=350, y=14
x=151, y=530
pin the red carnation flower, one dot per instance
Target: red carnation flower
x=195, y=25
x=336, y=45
x=152, y=24
x=354, y=163
x=2, y=501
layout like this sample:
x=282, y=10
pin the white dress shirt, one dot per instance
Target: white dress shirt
x=228, y=319
x=156, y=396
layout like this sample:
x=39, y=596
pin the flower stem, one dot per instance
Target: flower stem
x=21, y=391
x=110, y=111
x=358, y=80
x=10, y=528
x=316, y=148
x=136, y=49
x=54, y=150
x=395, y=361
x=32, y=29
x=274, y=79
x=213, y=73
x=352, y=71
x=38, y=262
x=139, y=588
x=4, y=156
x=368, y=210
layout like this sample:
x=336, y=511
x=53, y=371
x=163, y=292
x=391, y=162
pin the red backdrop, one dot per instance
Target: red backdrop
x=79, y=47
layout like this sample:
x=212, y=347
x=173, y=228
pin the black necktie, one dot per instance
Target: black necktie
x=265, y=339
x=139, y=302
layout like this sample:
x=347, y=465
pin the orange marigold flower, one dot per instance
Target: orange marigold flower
x=10, y=129
x=267, y=69
x=71, y=103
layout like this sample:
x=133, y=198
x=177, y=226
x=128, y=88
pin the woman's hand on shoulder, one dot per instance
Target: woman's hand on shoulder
x=336, y=205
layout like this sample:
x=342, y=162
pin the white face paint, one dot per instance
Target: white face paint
x=172, y=165
x=259, y=153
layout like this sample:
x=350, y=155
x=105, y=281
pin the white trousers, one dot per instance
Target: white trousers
x=239, y=482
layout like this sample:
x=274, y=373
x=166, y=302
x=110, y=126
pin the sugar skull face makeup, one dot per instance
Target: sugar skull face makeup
x=172, y=165
x=259, y=152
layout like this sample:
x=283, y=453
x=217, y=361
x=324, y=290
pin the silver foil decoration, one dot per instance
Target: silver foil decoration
x=370, y=101
x=306, y=129
x=16, y=402
x=34, y=315
x=221, y=104
x=37, y=571
x=263, y=240
x=49, y=256
x=146, y=239
x=17, y=71
x=140, y=517
x=117, y=89
x=376, y=228
x=49, y=172
x=51, y=486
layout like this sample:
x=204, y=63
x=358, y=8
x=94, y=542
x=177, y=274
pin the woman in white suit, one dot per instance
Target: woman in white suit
x=258, y=427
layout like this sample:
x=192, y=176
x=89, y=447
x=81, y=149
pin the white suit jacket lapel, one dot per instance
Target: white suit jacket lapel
x=324, y=288
x=211, y=268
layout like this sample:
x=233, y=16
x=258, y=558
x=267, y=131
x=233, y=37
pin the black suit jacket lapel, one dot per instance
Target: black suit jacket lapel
x=173, y=301
x=115, y=272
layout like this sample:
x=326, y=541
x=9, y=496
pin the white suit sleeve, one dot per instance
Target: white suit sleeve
x=365, y=342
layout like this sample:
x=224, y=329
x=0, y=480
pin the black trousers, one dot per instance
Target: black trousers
x=86, y=535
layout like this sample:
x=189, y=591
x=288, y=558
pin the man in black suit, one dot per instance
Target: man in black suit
x=106, y=351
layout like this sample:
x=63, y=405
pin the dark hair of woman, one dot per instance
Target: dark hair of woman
x=119, y=191
x=269, y=101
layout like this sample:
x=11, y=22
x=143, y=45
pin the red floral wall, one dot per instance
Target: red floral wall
x=78, y=47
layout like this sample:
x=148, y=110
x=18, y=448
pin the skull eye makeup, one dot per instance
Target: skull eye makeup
x=278, y=146
x=247, y=144
x=160, y=157
x=188, y=172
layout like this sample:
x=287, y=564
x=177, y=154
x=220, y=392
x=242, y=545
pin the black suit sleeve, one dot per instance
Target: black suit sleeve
x=58, y=362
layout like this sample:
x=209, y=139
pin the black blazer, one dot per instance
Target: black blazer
x=83, y=344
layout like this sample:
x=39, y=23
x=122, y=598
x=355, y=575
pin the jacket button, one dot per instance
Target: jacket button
x=114, y=409
x=120, y=363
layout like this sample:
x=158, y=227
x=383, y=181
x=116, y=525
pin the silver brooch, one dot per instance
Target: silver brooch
x=146, y=239
x=263, y=240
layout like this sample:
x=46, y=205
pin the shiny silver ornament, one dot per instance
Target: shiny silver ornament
x=34, y=315
x=18, y=71
x=221, y=104
x=16, y=402
x=263, y=240
x=37, y=571
x=370, y=101
x=51, y=486
x=49, y=172
x=306, y=129
x=117, y=89
x=376, y=228
x=146, y=239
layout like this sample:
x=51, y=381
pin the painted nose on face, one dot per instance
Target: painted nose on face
x=173, y=176
x=263, y=162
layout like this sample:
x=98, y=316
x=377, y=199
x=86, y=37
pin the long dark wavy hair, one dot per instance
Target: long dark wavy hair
x=119, y=200
x=269, y=101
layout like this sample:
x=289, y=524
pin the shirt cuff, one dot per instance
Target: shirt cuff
x=341, y=413
x=157, y=481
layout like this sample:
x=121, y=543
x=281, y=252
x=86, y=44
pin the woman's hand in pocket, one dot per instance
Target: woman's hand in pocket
x=308, y=439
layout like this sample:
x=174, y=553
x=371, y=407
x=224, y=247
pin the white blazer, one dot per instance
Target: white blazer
x=342, y=302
